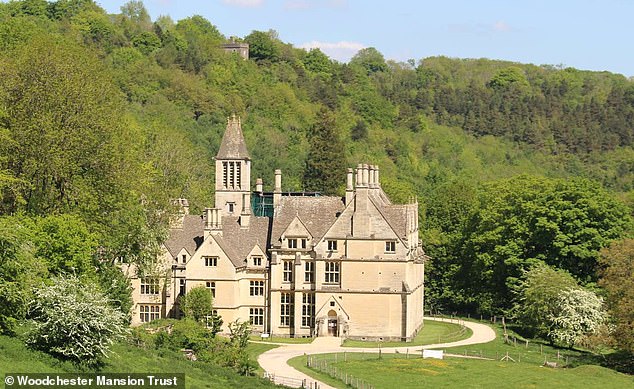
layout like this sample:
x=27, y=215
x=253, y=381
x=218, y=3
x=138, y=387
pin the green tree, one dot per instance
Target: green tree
x=197, y=304
x=617, y=277
x=263, y=46
x=359, y=131
x=537, y=300
x=74, y=320
x=325, y=169
x=369, y=59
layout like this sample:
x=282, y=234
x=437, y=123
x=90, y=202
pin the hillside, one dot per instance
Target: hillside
x=106, y=118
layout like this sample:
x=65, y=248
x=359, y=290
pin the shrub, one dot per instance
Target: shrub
x=74, y=321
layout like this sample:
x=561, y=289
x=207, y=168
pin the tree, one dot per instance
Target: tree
x=526, y=220
x=359, y=131
x=578, y=313
x=369, y=59
x=325, y=169
x=617, y=277
x=198, y=305
x=537, y=297
x=263, y=46
x=73, y=320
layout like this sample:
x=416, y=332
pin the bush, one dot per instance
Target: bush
x=74, y=321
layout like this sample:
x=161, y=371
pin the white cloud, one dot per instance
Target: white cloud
x=341, y=51
x=501, y=26
x=244, y=3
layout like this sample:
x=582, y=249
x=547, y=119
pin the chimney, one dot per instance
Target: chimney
x=361, y=217
x=245, y=215
x=371, y=182
x=277, y=191
x=213, y=218
x=258, y=185
x=349, y=187
x=377, y=182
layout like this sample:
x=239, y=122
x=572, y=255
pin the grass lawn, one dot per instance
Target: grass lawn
x=395, y=370
x=15, y=357
x=432, y=332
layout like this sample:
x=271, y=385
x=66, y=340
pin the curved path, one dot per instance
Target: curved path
x=274, y=361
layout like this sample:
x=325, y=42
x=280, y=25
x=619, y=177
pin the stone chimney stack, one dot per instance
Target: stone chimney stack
x=213, y=221
x=258, y=185
x=377, y=181
x=371, y=183
x=349, y=186
x=361, y=216
x=277, y=191
x=245, y=215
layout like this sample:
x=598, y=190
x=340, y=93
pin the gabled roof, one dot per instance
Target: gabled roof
x=237, y=242
x=190, y=237
x=316, y=213
x=233, y=145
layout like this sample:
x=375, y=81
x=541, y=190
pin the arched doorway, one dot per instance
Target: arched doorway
x=333, y=328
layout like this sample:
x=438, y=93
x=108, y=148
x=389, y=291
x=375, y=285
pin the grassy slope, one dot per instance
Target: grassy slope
x=433, y=332
x=15, y=357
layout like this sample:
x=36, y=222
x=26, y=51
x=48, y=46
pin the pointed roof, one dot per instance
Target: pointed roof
x=233, y=145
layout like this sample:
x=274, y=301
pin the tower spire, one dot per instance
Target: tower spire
x=233, y=145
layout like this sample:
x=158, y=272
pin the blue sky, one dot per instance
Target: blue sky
x=586, y=34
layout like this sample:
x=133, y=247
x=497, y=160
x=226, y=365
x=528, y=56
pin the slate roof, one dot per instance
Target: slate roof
x=238, y=242
x=189, y=237
x=396, y=216
x=233, y=145
x=317, y=214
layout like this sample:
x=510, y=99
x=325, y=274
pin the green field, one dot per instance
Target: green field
x=524, y=371
x=15, y=357
x=432, y=332
x=396, y=371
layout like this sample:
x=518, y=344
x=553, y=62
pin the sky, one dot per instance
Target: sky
x=585, y=34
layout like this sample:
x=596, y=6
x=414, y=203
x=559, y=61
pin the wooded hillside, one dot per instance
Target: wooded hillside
x=107, y=117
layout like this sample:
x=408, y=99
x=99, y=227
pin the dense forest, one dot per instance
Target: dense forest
x=105, y=118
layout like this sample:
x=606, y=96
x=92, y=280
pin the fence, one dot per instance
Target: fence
x=291, y=382
x=322, y=364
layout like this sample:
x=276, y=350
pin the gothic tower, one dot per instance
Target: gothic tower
x=233, y=172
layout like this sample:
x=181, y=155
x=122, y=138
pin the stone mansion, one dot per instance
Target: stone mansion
x=293, y=264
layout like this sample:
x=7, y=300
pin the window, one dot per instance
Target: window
x=256, y=288
x=288, y=271
x=257, y=261
x=304, y=243
x=184, y=258
x=230, y=207
x=225, y=177
x=332, y=272
x=211, y=285
x=390, y=247
x=256, y=316
x=308, y=310
x=292, y=243
x=150, y=286
x=332, y=245
x=148, y=313
x=211, y=261
x=309, y=270
x=286, y=309
x=181, y=290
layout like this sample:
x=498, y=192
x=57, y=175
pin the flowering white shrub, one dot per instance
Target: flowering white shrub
x=73, y=320
x=578, y=313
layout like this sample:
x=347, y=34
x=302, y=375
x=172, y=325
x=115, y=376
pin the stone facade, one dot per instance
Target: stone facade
x=311, y=266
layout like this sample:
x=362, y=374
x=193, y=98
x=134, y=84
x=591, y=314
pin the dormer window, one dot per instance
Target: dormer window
x=184, y=258
x=390, y=247
x=257, y=261
x=304, y=243
x=292, y=243
x=332, y=245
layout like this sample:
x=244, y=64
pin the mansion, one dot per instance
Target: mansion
x=293, y=264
